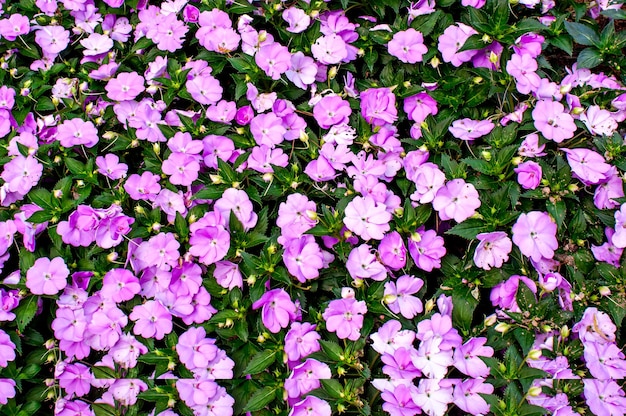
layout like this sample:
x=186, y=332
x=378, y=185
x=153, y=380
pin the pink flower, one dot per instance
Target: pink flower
x=535, y=235
x=467, y=398
x=126, y=86
x=76, y=132
x=303, y=258
x=331, y=110
x=120, y=285
x=408, y=46
x=194, y=349
x=16, y=25
x=598, y=121
x=552, y=121
x=7, y=390
x=493, y=250
x=278, y=309
x=47, y=277
x=588, y=166
x=452, y=39
x=7, y=349
x=96, y=44
x=362, y=264
x=205, y=89
x=227, y=275
x=467, y=129
x=237, y=201
x=426, y=249
x=457, y=200
x=274, y=59
x=367, y=218
x=302, y=71
x=329, y=50
x=345, y=317
x=433, y=396
x=297, y=18
x=604, y=397
x=398, y=296
x=392, y=251
x=528, y=174
x=378, y=106
x=52, y=39
x=467, y=357
x=301, y=340
x=151, y=320
x=110, y=166
x=310, y=406
x=267, y=129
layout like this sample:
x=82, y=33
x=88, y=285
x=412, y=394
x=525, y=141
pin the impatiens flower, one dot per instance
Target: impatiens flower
x=467, y=357
x=408, y=46
x=311, y=406
x=535, y=235
x=7, y=349
x=302, y=71
x=205, y=89
x=52, y=39
x=303, y=258
x=604, y=397
x=47, y=277
x=399, y=299
x=75, y=379
x=504, y=294
x=466, y=396
x=331, y=110
x=493, y=250
x=367, y=218
x=274, y=59
x=277, y=309
x=152, y=320
x=529, y=174
x=329, y=50
x=588, y=166
x=7, y=390
x=120, y=285
x=345, y=317
x=297, y=18
x=378, y=106
x=433, y=396
x=552, y=121
x=618, y=239
x=21, y=174
x=15, y=25
x=468, y=129
x=110, y=166
x=392, y=251
x=419, y=106
x=595, y=326
x=457, y=200
x=182, y=168
x=426, y=249
x=399, y=400
x=362, y=264
x=452, y=39
x=96, y=44
x=126, y=86
x=76, y=132
x=227, y=275
x=237, y=201
x=267, y=129
x=598, y=121
x=306, y=377
x=609, y=190
x=301, y=340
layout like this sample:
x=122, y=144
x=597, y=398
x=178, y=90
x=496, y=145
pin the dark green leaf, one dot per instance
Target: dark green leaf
x=582, y=34
x=44, y=104
x=260, y=362
x=469, y=228
x=333, y=388
x=589, y=58
x=260, y=399
x=564, y=43
x=558, y=209
x=25, y=312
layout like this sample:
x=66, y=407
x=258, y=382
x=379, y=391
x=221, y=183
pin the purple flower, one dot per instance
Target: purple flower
x=466, y=396
x=311, y=404
x=205, y=89
x=183, y=169
x=110, y=166
x=345, y=317
x=151, y=320
x=595, y=326
x=7, y=390
x=75, y=379
x=408, y=46
x=144, y=187
x=301, y=340
x=392, y=251
x=367, y=218
x=126, y=86
x=605, y=361
x=552, y=121
x=378, y=106
x=47, y=277
x=278, y=309
x=209, y=239
x=420, y=106
x=274, y=59
x=329, y=50
x=306, y=377
x=529, y=174
x=302, y=71
x=398, y=296
x=237, y=201
x=452, y=39
x=604, y=397
x=535, y=235
x=194, y=349
x=21, y=174
x=227, y=275
x=331, y=110
x=362, y=264
x=458, y=200
x=426, y=249
x=297, y=18
x=468, y=129
x=7, y=349
x=303, y=258
x=504, y=294
x=588, y=166
x=52, y=39
x=267, y=129
x=493, y=250
x=467, y=357
x=120, y=285
x=15, y=25
x=433, y=396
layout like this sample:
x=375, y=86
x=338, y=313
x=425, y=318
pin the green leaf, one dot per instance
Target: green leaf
x=469, y=228
x=41, y=197
x=210, y=192
x=29, y=408
x=557, y=209
x=617, y=14
x=582, y=34
x=564, y=43
x=260, y=362
x=332, y=349
x=44, y=104
x=40, y=217
x=474, y=42
x=589, y=58
x=25, y=312
x=333, y=388
x=260, y=399
x=103, y=409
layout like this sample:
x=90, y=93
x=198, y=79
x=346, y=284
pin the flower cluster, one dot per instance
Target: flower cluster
x=312, y=207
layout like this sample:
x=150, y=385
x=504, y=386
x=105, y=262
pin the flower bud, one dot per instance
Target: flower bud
x=390, y=298
x=268, y=176
x=435, y=62
x=429, y=306
x=534, y=391
x=578, y=110
x=502, y=327
x=486, y=155
x=111, y=257
x=565, y=331
x=251, y=279
x=156, y=148
x=348, y=292
x=332, y=72
x=516, y=161
x=534, y=354
x=604, y=291
x=490, y=320
x=57, y=193
x=156, y=227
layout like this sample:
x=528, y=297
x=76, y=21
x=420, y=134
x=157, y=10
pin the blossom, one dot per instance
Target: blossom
x=528, y=174
x=47, y=277
x=267, y=129
x=110, y=166
x=205, y=89
x=466, y=396
x=277, y=309
x=311, y=406
x=237, y=201
x=331, y=110
x=493, y=250
x=52, y=39
x=468, y=129
x=297, y=18
x=588, y=166
x=552, y=121
x=398, y=297
x=362, y=264
x=426, y=249
x=126, y=86
x=378, y=106
x=15, y=25
x=76, y=132
x=467, y=357
x=7, y=349
x=433, y=396
x=302, y=70
x=151, y=320
x=392, y=251
x=367, y=218
x=598, y=121
x=345, y=317
x=301, y=340
x=303, y=258
x=457, y=200
x=329, y=50
x=274, y=59
x=535, y=235
x=604, y=397
x=408, y=46
x=453, y=39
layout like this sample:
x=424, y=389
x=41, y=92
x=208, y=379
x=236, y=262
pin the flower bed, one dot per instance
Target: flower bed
x=265, y=207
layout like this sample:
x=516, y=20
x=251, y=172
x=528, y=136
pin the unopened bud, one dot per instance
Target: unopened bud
x=348, y=292
x=534, y=354
x=216, y=179
x=429, y=306
x=477, y=80
x=357, y=283
x=251, y=280
x=398, y=212
x=332, y=72
x=578, y=110
x=271, y=249
x=389, y=299
x=262, y=36
x=493, y=58
x=111, y=257
x=57, y=193
x=502, y=327
x=491, y=319
x=486, y=155
x=417, y=237
x=171, y=403
x=516, y=161
x=156, y=227
x=534, y=391
x=260, y=339
x=435, y=62
x=565, y=331
x=604, y=291
x=156, y=147
x=312, y=215
x=268, y=176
